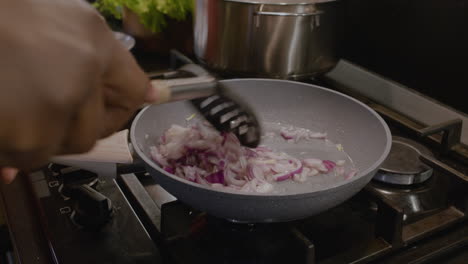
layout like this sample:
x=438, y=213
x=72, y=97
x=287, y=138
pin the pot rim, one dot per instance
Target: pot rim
x=281, y=2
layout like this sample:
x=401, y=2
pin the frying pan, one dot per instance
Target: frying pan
x=362, y=132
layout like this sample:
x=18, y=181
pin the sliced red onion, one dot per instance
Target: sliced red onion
x=200, y=145
x=217, y=177
x=340, y=162
x=173, y=151
x=201, y=181
x=278, y=168
x=313, y=172
x=231, y=140
x=217, y=185
x=257, y=186
x=263, y=149
x=255, y=172
x=315, y=164
x=224, y=138
x=230, y=178
x=232, y=157
x=339, y=170
x=235, y=168
x=266, y=170
x=179, y=172
x=301, y=133
x=169, y=170
x=191, y=173
x=156, y=156
x=221, y=164
x=301, y=177
x=250, y=153
x=211, y=159
x=200, y=154
x=248, y=186
x=287, y=135
x=269, y=135
x=243, y=162
x=329, y=165
x=260, y=161
x=317, y=135
x=350, y=174
x=295, y=135
x=289, y=174
x=282, y=176
x=206, y=132
x=275, y=155
x=263, y=187
x=297, y=177
x=311, y=162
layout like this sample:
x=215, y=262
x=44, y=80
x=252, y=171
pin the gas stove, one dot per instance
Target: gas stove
x=419, y=222
x=414, y=211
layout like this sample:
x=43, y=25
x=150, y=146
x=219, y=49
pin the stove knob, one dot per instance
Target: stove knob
x=92, y=210
x=73, y=179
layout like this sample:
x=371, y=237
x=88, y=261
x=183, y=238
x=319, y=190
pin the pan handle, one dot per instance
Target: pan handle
x=113, y=149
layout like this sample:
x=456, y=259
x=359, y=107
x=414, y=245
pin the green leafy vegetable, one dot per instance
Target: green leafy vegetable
x=152, y=13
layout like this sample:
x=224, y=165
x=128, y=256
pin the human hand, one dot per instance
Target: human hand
x=7, y=175
x=65, y=82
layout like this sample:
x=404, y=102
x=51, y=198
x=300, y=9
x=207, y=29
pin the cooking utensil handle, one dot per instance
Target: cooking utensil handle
x=184, y=88
x=171, y=88
x=113, y=149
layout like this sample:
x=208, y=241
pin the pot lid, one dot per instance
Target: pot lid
x=281, y=2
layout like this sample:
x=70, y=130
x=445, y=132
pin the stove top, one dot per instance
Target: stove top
x=403, y=165
x=411, y=213
x=382, y=223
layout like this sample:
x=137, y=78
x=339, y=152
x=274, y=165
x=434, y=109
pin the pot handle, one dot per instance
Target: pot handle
x=113, y=149
x=269, y=13
x=315, y=14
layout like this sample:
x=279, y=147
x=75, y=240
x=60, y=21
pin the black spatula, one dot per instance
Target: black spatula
x=225, y=111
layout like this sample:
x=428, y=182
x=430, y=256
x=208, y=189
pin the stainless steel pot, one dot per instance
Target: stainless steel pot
x=288, y=39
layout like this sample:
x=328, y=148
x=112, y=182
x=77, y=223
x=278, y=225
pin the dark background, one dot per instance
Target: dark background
x=422, y=44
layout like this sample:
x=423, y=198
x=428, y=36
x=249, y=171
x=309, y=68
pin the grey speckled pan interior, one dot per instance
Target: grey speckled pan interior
x=364, y=135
